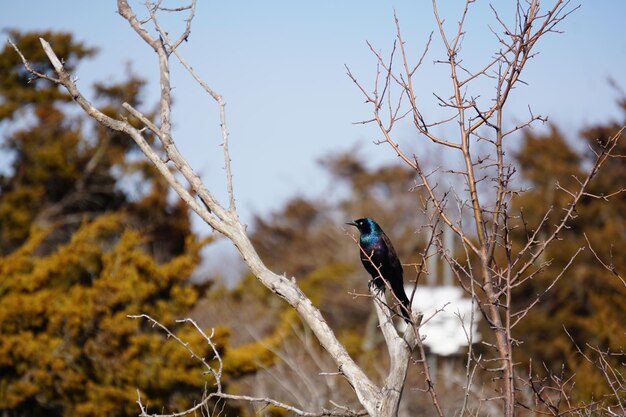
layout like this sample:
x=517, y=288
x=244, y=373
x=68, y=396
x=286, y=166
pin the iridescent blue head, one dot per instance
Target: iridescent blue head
x=369, y=228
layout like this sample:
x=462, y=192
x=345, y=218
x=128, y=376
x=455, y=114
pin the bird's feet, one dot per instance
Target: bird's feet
x=378, y=289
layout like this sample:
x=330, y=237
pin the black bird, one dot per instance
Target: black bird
x=380, y=260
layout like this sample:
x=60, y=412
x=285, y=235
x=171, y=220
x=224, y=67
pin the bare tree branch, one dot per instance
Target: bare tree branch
x=217, y=375
x=223, y=220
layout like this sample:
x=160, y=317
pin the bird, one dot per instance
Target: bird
x=381, y=261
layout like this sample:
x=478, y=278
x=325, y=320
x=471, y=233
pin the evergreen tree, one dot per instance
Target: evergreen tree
x=87, y=237
x=587, y=304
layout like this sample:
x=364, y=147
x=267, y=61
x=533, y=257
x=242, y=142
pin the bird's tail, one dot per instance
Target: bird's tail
x=405, y=304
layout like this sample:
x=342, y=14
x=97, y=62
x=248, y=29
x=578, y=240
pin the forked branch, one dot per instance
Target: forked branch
x=224, y=220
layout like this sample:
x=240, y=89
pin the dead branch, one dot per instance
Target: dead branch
x=217, y=375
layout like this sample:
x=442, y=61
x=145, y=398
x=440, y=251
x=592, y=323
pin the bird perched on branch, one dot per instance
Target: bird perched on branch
x=380, y=260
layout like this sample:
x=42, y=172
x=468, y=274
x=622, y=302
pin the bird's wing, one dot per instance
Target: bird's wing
x=394, y=277
x=394, y=261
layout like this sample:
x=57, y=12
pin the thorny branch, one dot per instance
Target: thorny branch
x=482, y=270
x=488, y=282
x=224, y=220
x=172, y=47
x=537, y=247
x=615, y=378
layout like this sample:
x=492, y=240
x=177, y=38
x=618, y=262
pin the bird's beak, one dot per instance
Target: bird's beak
x=352, y=224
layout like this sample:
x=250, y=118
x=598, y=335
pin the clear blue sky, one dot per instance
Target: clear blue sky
x=280, y=67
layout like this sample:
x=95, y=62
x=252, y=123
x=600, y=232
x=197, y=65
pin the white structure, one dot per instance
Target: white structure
x=447, y=318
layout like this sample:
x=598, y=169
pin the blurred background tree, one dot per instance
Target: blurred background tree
x=65, y=168
x=307, y=239
x=88, y=236
x=588, y=301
